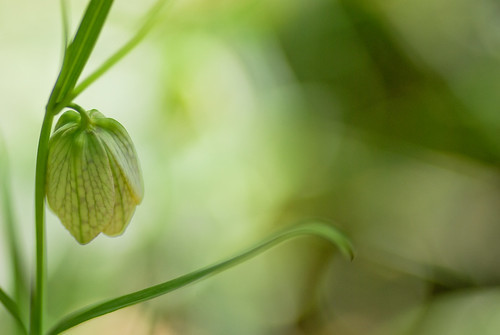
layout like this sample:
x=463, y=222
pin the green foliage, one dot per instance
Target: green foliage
x=314, y=228
x=78, y=51
x=388, y=93
x=89, y=171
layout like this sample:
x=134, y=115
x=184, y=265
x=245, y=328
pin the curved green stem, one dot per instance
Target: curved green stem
x=38, y=295
x=86, y=121
x=319, y=229
x=75, y=58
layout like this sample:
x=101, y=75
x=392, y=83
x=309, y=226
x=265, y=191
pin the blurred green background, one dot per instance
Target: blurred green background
x=379, y=116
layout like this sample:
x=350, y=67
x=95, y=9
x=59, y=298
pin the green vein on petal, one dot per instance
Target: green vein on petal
x=94, y=191
x=125, y=202
x=121, y=147
x=94, y=181
x=79, y=183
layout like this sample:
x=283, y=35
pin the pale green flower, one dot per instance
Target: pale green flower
x=94, y=181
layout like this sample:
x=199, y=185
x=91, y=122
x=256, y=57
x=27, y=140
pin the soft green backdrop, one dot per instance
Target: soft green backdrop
x=380, y=116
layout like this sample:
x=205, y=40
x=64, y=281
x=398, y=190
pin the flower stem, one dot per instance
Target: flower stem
x=85, y=121
x=38, y=293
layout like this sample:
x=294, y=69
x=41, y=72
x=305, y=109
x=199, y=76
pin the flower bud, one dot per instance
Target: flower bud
x=94, y=181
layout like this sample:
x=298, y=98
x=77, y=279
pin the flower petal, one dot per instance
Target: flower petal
x=80, y=183
x=125, y=201
x=119, y=145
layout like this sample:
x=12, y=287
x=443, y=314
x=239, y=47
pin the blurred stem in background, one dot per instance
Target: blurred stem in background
x=18, y=278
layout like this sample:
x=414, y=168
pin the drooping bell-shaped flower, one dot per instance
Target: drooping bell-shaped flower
x=94, y=181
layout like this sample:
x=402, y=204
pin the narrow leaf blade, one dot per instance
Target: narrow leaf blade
x=78, y=52
x=150, y=20
x=12, y=237
x=320, y=229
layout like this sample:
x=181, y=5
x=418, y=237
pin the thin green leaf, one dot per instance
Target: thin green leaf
x=149, y=21
x=12, y=308
x=323, y=230
x=78, y=52
x=6, y=206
